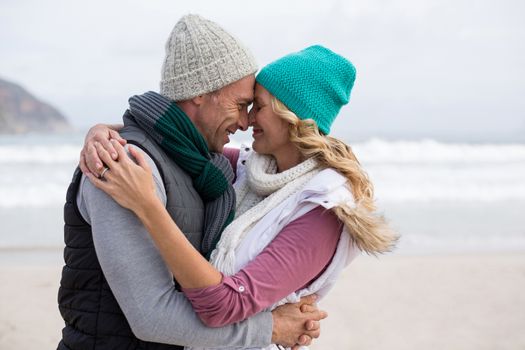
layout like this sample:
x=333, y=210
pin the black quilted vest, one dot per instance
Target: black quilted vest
x=93, y=317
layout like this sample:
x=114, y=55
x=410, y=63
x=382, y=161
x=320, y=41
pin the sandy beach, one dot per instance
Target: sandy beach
x=398, y=302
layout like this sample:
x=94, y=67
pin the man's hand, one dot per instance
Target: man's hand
x=297, y=324
x=90, y=162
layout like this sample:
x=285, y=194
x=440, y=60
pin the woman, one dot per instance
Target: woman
x=304, y=205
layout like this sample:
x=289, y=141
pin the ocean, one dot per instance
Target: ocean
x=441, y=197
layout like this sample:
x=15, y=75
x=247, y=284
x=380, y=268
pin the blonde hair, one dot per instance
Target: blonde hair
x=369, y=230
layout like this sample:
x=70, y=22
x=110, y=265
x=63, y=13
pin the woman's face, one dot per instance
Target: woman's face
x=270, y=132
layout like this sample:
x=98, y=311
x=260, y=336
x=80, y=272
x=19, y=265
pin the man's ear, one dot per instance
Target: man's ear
x=198, y=100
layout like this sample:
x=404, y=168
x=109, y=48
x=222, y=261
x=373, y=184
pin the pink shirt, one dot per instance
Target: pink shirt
x=297, y=255
x=233, y=156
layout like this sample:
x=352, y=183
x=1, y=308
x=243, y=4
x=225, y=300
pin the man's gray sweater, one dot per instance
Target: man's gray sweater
x=143, y=285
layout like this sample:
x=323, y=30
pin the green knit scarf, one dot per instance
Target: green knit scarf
x=211, y=173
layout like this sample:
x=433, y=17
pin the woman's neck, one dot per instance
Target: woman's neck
x=287, y=159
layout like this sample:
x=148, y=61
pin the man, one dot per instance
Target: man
x=116, y=292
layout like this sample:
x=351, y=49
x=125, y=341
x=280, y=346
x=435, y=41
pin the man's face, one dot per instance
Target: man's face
x=225, y=111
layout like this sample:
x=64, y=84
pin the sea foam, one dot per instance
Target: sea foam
x=37, y=175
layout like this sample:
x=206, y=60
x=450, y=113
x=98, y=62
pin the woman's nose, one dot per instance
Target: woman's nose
x=244, y=121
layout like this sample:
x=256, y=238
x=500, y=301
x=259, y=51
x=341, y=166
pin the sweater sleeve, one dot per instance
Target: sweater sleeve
x=143, y=285
x=297, y=255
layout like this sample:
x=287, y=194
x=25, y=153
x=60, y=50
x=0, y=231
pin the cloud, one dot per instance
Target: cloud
x=424, y=67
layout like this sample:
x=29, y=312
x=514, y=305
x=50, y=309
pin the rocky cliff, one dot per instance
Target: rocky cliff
x=21, y=112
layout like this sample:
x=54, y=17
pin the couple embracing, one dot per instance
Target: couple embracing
x=173, y=240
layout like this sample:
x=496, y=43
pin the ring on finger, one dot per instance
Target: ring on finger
x=103, y=172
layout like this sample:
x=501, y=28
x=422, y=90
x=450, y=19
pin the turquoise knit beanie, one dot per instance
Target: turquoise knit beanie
x=313, y=83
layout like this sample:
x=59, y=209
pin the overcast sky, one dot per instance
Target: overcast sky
x=446, y=69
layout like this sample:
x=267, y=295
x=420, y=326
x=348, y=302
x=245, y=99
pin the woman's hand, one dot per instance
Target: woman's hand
x=130, y=184
x=90, y=162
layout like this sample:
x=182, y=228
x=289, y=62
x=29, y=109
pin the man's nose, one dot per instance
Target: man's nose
x=243, y=121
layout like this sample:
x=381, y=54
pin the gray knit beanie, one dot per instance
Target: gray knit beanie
x=202, y=57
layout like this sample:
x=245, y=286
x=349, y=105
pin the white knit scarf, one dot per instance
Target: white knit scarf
x=261, y=190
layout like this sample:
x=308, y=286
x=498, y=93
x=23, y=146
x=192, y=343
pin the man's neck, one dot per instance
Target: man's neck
x=189, y=108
